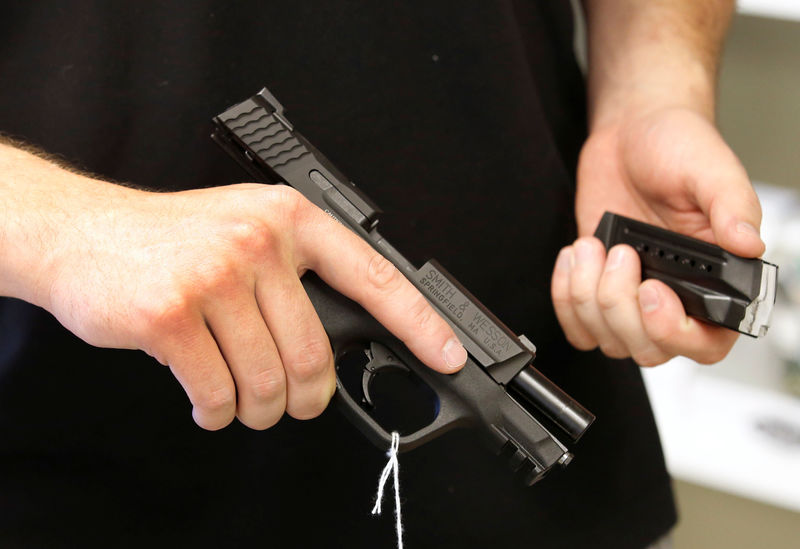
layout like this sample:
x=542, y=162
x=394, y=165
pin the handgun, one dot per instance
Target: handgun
x=499, y=393
x=713, y=284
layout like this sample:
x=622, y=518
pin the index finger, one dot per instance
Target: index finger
x=350, y=265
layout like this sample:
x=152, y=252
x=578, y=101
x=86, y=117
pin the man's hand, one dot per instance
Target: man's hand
x=653, y=154
x=208, y=283
x=669, y=168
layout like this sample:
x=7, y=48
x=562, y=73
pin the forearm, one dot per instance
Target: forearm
x=653, y=54
x=39, y=203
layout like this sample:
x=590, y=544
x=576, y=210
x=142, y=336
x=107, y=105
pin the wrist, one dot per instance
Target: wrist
x=45, y=214
x=646, y=56
x=651, y=84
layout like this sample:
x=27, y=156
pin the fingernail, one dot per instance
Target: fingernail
x=583, y=251
x=564, y=261
x=747, y=228
x=454, y=353
x=648, y=299
x=614, y=260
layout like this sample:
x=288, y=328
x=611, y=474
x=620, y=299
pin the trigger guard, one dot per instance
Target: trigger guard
x=380, y=359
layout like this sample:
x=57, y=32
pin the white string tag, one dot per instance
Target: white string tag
x=393, y=466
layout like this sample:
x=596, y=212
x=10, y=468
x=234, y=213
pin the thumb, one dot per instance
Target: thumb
x=726, y=196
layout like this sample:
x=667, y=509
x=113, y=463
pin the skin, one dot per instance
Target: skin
x=654, y=154
x=206, y=281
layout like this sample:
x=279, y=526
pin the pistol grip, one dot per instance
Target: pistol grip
x=348, y=325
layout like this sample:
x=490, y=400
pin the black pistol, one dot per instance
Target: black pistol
x=714, y=285
x=498, y=392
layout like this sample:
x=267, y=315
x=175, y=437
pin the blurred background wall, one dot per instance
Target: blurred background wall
x=759, y=116
x=759, y=101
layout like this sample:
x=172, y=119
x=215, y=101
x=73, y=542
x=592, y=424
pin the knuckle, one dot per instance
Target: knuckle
x=169, y=314
x=582, y=343
x=382, y=275
x=561, y=298
x=217, y=276
x=423, y=317
x=614, y=350
x=216, y=401
x=214, y=424
x=311, y=408
x=606, y=298
x=582, y=294
x=253, y=237
x=268, y=385
x=261, y=417
x=311, y=360
x=308, y=411
x=290, y=202
x=650, y=358
x=261, y=422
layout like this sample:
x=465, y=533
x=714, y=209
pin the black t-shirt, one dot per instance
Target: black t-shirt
x=462, y=121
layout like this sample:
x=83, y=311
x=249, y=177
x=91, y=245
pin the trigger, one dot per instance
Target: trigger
x=381, y=358
x=366, y=381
